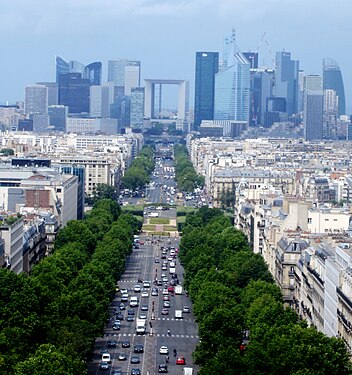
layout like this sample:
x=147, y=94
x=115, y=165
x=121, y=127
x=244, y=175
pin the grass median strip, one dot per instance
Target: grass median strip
x=159, y=220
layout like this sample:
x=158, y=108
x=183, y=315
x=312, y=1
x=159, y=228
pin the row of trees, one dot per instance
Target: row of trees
x=233, y=293
x=50, y=319
x=138, y=174
x=186, y=177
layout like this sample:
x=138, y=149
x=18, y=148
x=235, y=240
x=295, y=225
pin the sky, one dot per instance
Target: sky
x=165, y=35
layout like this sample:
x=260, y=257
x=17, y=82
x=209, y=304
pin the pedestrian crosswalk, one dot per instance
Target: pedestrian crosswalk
x=122, y=335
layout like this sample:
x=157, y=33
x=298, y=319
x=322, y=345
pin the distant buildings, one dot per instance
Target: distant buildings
x=207, y=65
x=313, y=107
x=36, y=100
x=126, y=73
x=332, y=80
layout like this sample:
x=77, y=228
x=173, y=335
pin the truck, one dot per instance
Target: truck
x=172, y=270
x=178, y=314
x=140, y=326
x=188, y=371
x=178, y=289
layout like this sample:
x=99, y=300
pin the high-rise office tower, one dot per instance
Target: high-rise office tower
x=93, y=73
x=100, y=99
x=74, y=92
x=261, y=89
x=137, y=107
x=62, y=67
x=313, y=107
x=36, y=99
x=232, y=85
x=332, y=80
x=57, y=117
x=252, y=57
x=330, y=115
x=125, y=73
x=207, y=65
x=121, y=110
x=286, y=80
x=53, y=92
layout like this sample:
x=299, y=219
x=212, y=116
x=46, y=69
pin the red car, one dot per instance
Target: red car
x=141, y=242
x=170, y=289
x=180, y=361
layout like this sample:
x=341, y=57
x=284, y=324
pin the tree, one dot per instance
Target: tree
x=7, y=151
x=103, y=191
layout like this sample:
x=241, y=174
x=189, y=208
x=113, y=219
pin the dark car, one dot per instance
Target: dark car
x=119, y=317
x=135, y=359
x=126, y=344
x=162, y=368
x=117, y=372
x=130, y=312
x=122, y=357
x=130, y=318
x=111, y=343
x=116, y=326
x=104, y=365
x=122, y=306
x=138, y=348
x=135, y=371
x=144, y=307
x=103, y=351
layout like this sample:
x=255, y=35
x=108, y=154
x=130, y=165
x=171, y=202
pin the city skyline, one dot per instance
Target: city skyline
x=163, y=35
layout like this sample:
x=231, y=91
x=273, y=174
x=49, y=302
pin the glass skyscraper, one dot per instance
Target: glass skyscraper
x=313, y=107
x=93, y=73
x=207, y=65
x=124, y=72
x=137, y=107
x=286, y=81
x=332, y=80
x=232, y=90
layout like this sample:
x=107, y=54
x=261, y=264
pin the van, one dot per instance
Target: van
x=187, y=371
x=133, y=301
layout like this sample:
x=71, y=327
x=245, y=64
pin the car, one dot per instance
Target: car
x=146, y=284
x=143, y=316
x=159, y=283
x=155, y=292
x=164, y=268
x=135, y=359
x=119, y=316
x=156, y=260
x=111, y=343
x=124, y=291
x=170, y=289
x=162, y=368
x=141, y=242
x=124, y=297
x=130, y=318
x=165, y=292
x=166, y=298
x=170, y=258
x=166, y=304
x=165, y=279
x=126, y=344
x=144, y=307
x=117, y=372
x=186, y=309
x=116, y=326
x=122, y=357
x=163, y=256
x=174, y=276
x=135, y=371
x=180, y=361
x=104, y=350
x=173, y=282
x=122, y=306
x=137, y=288
x=136, y=246
x=106, y=357
x=145, y=295
x=138, y=348
x=163, y=275
x=163, y=350
x=104, y=365
x=164, y=312
x=130, y=312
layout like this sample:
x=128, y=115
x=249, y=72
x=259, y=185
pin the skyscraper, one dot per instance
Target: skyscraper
x=62, y=67
x=207, y=65
x=93, y=73
x=124, y=72
x=74, y=92
x=53, y=92
x=313, y=107
x=57, y=117
x=252, y=57
x=286, y=81
x=36, y=99
x=332, y=80
x=137, y=107
x=232, y=90
x=100, y=99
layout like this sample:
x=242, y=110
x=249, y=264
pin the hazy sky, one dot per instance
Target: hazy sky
x=165, y=34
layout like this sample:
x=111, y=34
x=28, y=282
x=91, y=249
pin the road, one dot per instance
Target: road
x=141, y=264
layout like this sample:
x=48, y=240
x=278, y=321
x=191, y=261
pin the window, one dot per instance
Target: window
x=309, y=220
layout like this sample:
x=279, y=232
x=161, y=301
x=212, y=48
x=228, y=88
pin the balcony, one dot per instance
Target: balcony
x=345, y=299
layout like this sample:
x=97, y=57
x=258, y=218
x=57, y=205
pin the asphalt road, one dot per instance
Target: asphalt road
x=183, y=332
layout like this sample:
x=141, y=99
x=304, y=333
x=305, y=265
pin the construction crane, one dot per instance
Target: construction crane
x=264, y=40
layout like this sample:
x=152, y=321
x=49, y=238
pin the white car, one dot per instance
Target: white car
x=165, y=292
x=137, y=288
x=146, y=284
x=145, y=295
x=164, y=350
x=124, y=291
x=106, y=358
